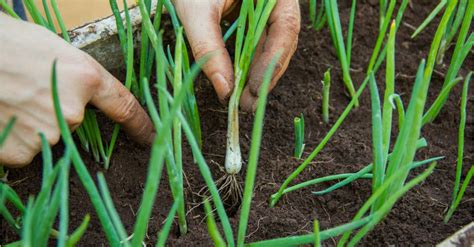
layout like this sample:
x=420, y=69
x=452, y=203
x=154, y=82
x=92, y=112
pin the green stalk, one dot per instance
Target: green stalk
x=334, y=23
x=462, y=127
x=363, y=173
x=63, y=28
x=377, y=140
x=177, y=136
x=318, y=18
x=105, y=193
x=326, y=87
x=163, y=235
x=48, y=17
x=317, y=239
x=430, y=18
x=350, y=30
x=129, y=76
x=212, y=226
x=310, y=238
x=399, y=106
x=64, y=203
x=79, y=232
x=35, y=13
x=255, y=151
x=389, y=91
x=299, y=136
x=460, y=195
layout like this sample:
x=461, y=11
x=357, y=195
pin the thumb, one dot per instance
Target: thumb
x=201, y=21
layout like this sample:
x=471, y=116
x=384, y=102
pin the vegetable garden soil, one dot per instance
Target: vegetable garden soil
x=416, y=219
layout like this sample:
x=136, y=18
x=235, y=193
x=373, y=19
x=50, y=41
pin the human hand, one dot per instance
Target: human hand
x=27, y=54
x=201, y=20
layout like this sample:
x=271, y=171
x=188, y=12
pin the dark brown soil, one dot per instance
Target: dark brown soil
x=417, y=219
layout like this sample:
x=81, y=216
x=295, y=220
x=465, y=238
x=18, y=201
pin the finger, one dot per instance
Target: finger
x=205, y=37
x=16, y=152
x=118, y=103
x=248, y=101
x=282, y=36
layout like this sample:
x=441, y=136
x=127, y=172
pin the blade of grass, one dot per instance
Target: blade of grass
x=80, y=167
x=118, y=225
x=59, y=18
x=460, y=154
x=167, y=226
x=310, y=238
x=255, y=151
x=48, y=16
x=79, y=232
x=212, y=226
x=377, y=139
x=430, y=18
x=460, y=195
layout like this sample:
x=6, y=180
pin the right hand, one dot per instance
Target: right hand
x=27, y=54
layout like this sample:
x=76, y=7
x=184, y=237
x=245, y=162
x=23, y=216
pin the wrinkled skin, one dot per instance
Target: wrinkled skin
x=201, y=20
x=27, y=54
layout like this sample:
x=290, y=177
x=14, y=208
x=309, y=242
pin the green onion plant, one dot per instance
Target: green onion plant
x=252, y=22
x=343, y=50
x=457, y=193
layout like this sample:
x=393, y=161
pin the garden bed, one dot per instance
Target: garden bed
x=416, y=219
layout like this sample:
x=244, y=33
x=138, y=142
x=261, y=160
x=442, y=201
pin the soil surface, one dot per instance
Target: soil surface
x=416, y=219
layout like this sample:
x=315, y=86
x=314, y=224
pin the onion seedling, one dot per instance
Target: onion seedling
x=462, y=126
x=462, y=49
x=252, y=21
x=343, y=50
x=299, y=136
x=326, y=86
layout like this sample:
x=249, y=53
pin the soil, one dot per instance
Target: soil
x=416, y=219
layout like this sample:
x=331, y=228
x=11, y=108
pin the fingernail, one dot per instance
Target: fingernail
x=222, y=87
